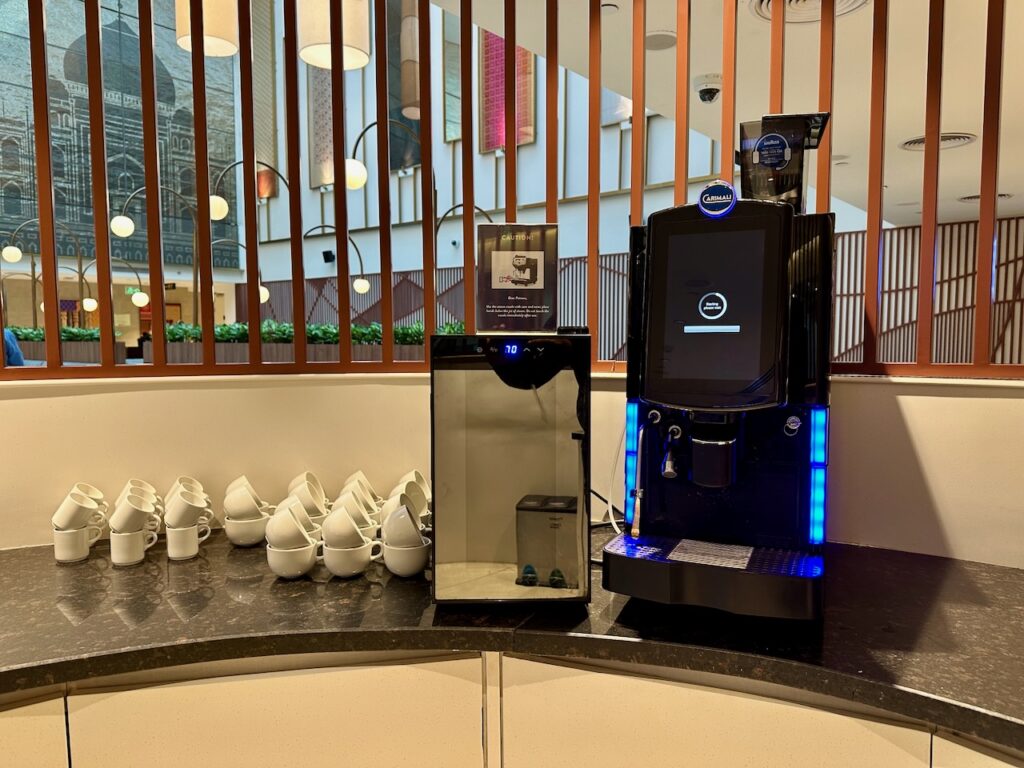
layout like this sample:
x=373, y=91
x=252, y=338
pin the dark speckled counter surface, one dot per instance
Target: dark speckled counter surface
x=937, y=640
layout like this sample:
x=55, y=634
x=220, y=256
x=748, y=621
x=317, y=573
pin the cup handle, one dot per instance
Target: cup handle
x=95, y=534
x=98, y=518
x=151, y=538
x=319, y=551
x=380, y=550
x=204, y=536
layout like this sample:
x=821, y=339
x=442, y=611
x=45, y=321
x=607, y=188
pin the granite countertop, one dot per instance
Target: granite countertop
x=929, y=638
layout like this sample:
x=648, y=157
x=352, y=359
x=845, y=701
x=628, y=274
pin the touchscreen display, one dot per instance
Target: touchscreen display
x=712, y=322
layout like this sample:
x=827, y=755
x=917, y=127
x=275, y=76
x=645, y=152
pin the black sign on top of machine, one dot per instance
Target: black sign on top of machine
x=517, y=277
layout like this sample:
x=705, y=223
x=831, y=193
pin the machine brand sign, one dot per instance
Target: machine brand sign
x=717, y=199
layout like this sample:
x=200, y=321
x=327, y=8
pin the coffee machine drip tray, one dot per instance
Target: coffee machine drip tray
x=756, y=581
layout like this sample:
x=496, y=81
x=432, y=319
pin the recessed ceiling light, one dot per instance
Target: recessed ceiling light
x=609, y=7
x=660, y=40
x=947, y=140
x=977, y=198
x=804, y=11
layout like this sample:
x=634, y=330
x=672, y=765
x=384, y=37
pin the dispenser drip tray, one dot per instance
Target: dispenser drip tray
x=758, y=581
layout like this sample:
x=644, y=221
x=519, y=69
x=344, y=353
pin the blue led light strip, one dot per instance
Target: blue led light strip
x=819, y=472
x=632, y=430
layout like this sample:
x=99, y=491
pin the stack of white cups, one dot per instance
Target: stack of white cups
x=358, y=486
x=293, y=540
x=348, y=538
x=245, y=513
x=78, y=523
x=406, y=550
x=134, y=522
x=187, y=516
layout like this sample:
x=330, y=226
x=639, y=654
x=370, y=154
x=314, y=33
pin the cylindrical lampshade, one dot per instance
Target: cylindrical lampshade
x=409, y=48
x=220, y=26
x=315, y=33
x=11, y=254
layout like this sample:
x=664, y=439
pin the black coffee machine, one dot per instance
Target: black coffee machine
x=727, y=408
x=524, y=270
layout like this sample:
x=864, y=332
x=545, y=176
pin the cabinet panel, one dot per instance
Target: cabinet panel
x=951, y=754
x=426, y=714
x=34, y=735
x=557, y=716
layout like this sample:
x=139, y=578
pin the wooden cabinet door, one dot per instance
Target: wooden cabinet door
x=947, y=753
x=34, y=735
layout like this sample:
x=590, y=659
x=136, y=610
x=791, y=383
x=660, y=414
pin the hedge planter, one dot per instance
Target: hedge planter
x=85, y=352
x=238, y=352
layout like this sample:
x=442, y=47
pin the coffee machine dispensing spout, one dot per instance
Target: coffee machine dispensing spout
x=668, y=463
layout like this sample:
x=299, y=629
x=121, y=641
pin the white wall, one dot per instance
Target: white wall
x=921, y=465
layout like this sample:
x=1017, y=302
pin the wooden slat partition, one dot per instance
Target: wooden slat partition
x=204, y=250
x=247, y=195
x=511, y=125
x=551, y=110
x=638, y=137
x=728, y=164
x=777, y=55
x=340, y=189
x=151, y=154
x=468, y=157
x=387, y=319
x=987, y=233
x=930, y=190
x=826, y=69
x=682, y=142
x=44, y=181
x=594, y=173
x=294, y=155
x=876, y=161
x=98, y=157
x=427, y=177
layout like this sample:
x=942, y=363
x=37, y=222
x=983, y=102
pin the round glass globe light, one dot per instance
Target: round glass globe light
x=89, y=304
x=355, y=173
x=264, y=294
x=218, y=208
x=122, y=226
x=140, y=299
x=11, y=254
x=361, y=285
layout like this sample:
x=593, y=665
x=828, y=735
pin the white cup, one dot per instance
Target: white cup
x=134, y=485
x=241, y=504
x=130, y=548
x=285, y=531
x=396, y=501
x=417, y=477
x=360, y=479
x=406, y=561
x=93, y=493
x=401, y=529
x=184, y=509
x=367, y=502
x=74, y=545
x=293, y=563
x=185, y=483
x=183, y=543
x=347, y=562
x=75, y=511
x=356, y=511
x=415, y=494
x=369, y=531
x=246, y=533
x=243, y=482
x=134, y=514
x=313, y=480
x=310, y=497
x=142, y=493
x=340, y=530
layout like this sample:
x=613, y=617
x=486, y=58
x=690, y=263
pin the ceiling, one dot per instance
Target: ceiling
x=963, y=85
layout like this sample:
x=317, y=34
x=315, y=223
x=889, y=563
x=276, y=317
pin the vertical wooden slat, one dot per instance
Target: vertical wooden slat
x=594, y=176
x=427, y=177
x=340, y=189
x=98, y=159
x=777, y=58
x=930, y=191
x=468, y=156
x=248, y=194
x=511, y=126
x=728, y=164
x=291, y=93
x=987, y=233
x=204, y=251
x=682, y=148
x=638, y=137
x=826, y=69
x=384, y=177
x=151, y=155
x=44, y=181
x=876, y=161
x=551, y=110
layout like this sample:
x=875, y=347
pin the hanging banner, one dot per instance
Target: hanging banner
x=517, y=278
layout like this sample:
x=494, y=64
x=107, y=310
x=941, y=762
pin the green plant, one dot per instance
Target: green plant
x=321, y=333
x=234, y=333
x=24, y=333
x=177, y=332
x=69, y=333
x=367, y=334
x=454, y=328
x=272, y=332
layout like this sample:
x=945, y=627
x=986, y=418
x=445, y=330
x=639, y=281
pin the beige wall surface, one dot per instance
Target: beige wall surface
x=925, y=466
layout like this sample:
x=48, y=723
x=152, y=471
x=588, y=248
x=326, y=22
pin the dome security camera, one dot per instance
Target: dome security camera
x=708, y=87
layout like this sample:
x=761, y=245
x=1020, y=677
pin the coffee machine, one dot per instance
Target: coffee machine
x=726, y=447
x=524, y=270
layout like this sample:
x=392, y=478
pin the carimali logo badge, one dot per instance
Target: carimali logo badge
x=717, y=199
